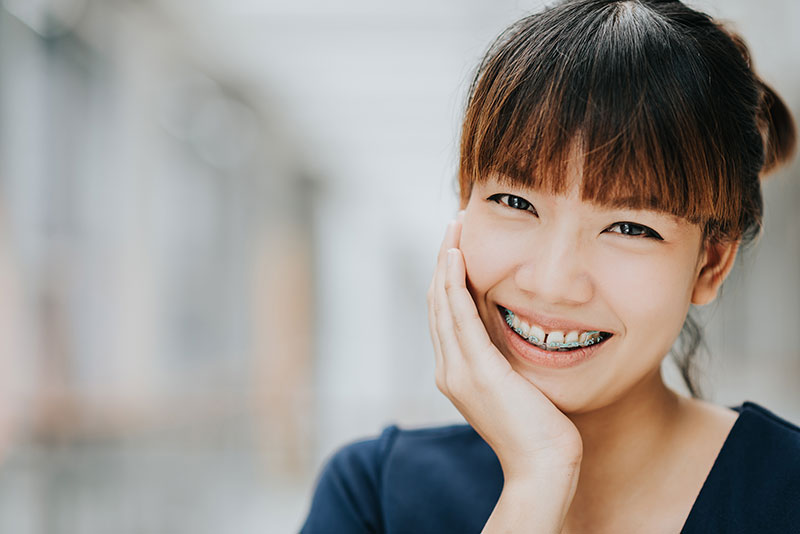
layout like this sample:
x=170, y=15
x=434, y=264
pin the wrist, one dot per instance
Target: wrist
x=535, y=501
x=560, y=472
x=562, y=466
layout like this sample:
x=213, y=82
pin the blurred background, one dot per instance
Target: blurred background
x=218, y=222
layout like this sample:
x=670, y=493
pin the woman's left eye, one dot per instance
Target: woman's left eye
x=635, y=230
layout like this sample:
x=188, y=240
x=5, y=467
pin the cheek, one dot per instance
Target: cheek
x=651, y=292
x=488, y=255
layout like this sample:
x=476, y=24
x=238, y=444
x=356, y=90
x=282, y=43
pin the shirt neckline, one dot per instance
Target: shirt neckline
x=715, y=467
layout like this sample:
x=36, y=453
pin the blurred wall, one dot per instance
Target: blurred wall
x=218, y=222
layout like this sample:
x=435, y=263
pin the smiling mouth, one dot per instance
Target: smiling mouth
x=554, y=341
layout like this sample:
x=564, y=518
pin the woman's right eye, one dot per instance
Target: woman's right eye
x=512, y=201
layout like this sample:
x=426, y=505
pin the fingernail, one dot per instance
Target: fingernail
x=451, y=253
x=460, y=216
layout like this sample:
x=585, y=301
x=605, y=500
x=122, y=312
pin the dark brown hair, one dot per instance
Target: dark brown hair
x=660, y=99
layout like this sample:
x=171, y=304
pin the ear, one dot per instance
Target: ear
x=716, y=263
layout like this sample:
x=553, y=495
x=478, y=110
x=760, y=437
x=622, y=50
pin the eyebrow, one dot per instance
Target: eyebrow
x=621, y=207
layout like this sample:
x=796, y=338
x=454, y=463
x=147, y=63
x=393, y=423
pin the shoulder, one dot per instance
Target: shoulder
x=761, y=439
x=398, y=459
x=754, y=485
x=764, y=449
x=419, y=448
x=395, y=445
x=765, y=416
x=346, y=492
x=406, y=475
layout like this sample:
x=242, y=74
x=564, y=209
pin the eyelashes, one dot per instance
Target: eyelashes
x=625, y=228
x=514, y=202
x=636, y=230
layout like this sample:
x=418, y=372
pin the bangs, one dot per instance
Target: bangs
x=629, y=92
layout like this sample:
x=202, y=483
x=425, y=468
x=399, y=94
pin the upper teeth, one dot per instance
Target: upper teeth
x=552, y=340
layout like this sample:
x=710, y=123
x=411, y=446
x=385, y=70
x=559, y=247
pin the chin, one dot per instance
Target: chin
x=570, y=395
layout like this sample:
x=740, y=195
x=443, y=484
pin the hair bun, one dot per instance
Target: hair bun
x=775, y=122
x=778, y=130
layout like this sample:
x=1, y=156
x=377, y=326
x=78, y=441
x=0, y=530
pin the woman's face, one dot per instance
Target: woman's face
x=556, y=259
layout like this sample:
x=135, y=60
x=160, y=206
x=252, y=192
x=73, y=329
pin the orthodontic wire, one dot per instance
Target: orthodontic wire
x=556, y=345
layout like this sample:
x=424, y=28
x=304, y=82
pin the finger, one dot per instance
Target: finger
x=440, y=304
x=451, y=238
x=439, y=366
x=468, y=328
x=432, y=325
x=439, y=258
x=436, y=299
x=445, y=328
x=441, y=312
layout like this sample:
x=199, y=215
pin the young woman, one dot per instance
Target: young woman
x=610, y=169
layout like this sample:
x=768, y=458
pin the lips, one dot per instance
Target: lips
x=558, y=356
x=550, y=324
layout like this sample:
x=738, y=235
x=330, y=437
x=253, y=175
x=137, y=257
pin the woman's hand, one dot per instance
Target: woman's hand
x=538, y=447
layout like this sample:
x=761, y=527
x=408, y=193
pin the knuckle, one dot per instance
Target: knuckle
x=456, y=385
x=480, y=385
x=460, y=323
x=432, y=329
x=486, y=346
x=449, y=285
x=441, y=383
x=435, y=340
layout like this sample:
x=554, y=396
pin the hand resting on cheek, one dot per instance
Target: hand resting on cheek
x=538, y=447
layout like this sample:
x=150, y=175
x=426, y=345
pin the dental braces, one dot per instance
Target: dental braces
x=556, y=344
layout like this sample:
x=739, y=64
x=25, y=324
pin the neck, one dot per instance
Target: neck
x=622, y=442
x=644, y=415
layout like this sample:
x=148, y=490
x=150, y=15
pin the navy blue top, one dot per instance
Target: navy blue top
x=447, y=480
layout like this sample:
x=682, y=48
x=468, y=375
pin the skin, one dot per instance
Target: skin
x=603, y=446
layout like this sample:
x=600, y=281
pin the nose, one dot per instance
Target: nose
x=555, y=269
